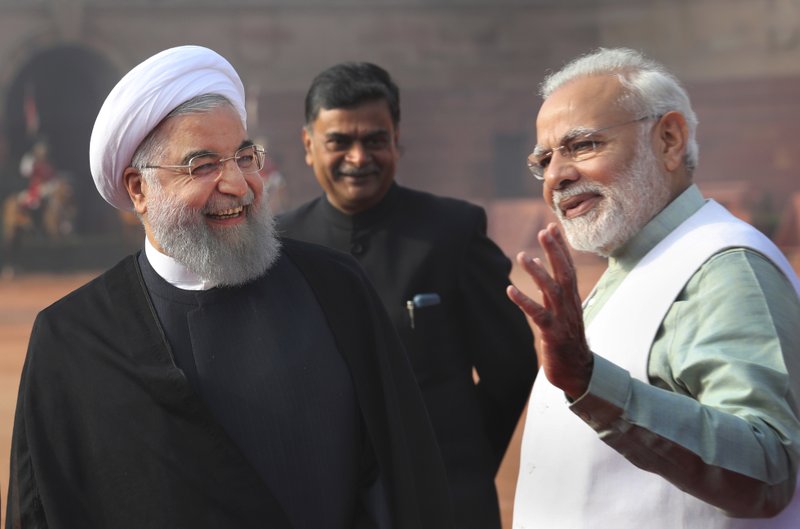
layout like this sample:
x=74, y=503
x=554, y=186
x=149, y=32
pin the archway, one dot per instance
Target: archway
x=56, y=96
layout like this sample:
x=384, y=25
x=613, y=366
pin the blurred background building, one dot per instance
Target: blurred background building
x=468, y=72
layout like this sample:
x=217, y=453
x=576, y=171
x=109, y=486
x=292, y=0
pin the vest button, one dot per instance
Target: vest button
x=357, y=248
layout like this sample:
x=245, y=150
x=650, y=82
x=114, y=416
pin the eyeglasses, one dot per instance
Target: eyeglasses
x=578, y=146
x=248, y=159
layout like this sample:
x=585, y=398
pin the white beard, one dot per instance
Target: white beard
x=634, y=197
x=225, y=257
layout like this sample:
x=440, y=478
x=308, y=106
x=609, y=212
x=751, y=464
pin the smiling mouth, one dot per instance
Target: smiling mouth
x=577, y=205
x=357, y=172
x=230, y=213
x=357, y=176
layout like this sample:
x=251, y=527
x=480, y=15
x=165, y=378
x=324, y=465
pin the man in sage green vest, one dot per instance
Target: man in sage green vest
x=670, y=396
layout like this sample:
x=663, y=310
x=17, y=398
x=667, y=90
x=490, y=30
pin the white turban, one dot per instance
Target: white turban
x=143, y=98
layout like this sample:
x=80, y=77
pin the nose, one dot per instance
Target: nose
x=231, y=181
x=357, y=154
x=560, y=172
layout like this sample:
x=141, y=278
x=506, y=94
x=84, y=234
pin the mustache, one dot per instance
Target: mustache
x=222, y=202
x=356, y=171
x=577, y=189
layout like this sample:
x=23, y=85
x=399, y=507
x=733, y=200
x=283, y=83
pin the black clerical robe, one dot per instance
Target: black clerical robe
x=109, y=433
x=273, y=379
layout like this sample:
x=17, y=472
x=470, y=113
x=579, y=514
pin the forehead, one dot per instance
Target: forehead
x=364, y=118
x=219, y=130
x=584, y=103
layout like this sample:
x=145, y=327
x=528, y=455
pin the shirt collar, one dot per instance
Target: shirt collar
x=363, y=219
x=677, y=211
x=174, y=272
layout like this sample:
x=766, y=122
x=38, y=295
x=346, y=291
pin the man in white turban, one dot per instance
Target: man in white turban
x=220, y=377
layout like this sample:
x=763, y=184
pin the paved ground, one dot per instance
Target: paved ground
x=22, y=297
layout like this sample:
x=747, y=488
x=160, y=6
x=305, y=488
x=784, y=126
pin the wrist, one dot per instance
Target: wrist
x=579, y=385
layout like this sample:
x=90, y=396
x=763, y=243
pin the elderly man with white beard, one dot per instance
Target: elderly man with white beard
x=671, y=394
x=220, y=377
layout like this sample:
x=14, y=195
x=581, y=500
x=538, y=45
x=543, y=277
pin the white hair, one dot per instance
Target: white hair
x=650, y=90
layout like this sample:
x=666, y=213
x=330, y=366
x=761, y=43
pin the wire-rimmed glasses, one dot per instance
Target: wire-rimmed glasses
x=249, y=159
x=577, y=146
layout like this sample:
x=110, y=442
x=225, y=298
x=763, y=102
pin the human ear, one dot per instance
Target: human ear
x=673, y=138
x=137, y=189
x=308, y=147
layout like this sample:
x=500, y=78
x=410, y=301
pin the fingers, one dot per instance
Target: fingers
x=542, y=317
x=560, y=296
x=556, y=250
x=528, y=306
x=534, y=268
x=564, y=354
x=560, y=260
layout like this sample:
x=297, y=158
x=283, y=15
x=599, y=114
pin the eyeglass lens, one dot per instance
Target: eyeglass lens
x=248, y=159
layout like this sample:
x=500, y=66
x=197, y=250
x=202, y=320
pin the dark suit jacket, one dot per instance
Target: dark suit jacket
x=415, y=242
x=109, y=434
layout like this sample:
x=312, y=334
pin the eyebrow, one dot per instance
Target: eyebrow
x=337, y=136
x=206, y=152
x=367, y=135
x=571, y=134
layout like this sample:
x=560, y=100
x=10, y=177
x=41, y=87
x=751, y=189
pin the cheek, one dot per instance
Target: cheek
x=605, y=169
x=196, y=200
x=329, y=164
x=387, y=162
x=324, y=164
x=194, y=196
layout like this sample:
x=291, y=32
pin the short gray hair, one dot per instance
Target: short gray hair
x=649, y=88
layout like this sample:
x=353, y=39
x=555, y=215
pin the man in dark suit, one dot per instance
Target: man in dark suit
x=440, y=277
x=219, y=378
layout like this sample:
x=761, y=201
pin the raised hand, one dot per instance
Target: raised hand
x=564, y=354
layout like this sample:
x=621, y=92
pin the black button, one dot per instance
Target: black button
x=357, y=248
